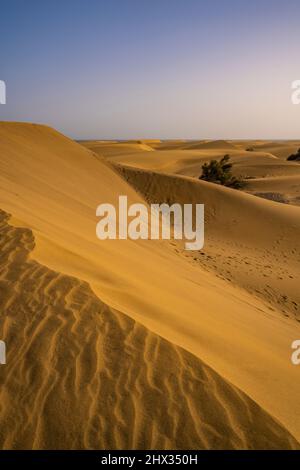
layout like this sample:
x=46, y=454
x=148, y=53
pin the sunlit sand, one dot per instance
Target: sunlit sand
x=124, y=344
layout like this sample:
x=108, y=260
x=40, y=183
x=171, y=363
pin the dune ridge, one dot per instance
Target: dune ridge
x=81, y=375
x=242, y=233
x=264, y=167
x=54, y=187
x=114, y=149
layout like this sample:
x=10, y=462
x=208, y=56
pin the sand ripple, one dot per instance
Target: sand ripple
x=82, y=375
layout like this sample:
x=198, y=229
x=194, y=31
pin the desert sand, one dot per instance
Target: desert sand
x=140, y=344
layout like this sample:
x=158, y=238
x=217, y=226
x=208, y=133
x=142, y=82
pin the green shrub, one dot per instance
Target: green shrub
x=219, y=172
x=295, y=156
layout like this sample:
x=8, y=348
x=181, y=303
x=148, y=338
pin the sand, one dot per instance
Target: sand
x=136, y=344
x=265, y=168
x=84, y=376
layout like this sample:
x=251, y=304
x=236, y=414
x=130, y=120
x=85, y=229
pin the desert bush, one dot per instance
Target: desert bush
x=219, y=172
x=295, y=156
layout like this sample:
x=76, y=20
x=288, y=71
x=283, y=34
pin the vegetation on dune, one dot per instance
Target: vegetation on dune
x=219, y=172
x=295, y=156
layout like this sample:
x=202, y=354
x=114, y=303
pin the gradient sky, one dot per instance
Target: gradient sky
x=152, y=68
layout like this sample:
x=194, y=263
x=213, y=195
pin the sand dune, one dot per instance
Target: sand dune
x=81, y=375
x=150, y=142
x=54, y=187
x=252, y=165
x=214, y=144
x=241, y=235
x=280, y=149
x=193, y=145
x=177, y=144
x=284, y=188
x=112, y=149
x=265, y=169
x=189, y=161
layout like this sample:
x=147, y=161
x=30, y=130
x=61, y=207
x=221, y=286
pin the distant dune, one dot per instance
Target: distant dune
x=214, y=144
x=287, y=186
x=279, y=149
x=147, y=345
x=265, y=160
x=242, y=234
x=112, y=149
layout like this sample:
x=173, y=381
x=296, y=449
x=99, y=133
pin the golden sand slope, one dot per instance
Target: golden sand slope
x=248, y=242
x=265, y=167
x=54, y=187
x=282, y=188
x=112, y=149
x=280, y=149
x=181, y=144
x=81, y=375
x=189, y=162
x=188, y=158
x=215, y=144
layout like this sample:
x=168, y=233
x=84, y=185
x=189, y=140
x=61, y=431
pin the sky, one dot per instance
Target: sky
x=124, y=69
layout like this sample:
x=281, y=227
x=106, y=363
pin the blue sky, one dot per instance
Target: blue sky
x=167, y=68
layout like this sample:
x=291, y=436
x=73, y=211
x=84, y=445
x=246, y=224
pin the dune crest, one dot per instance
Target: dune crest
x=54, y=186
x=81, y=375
x=240, y=246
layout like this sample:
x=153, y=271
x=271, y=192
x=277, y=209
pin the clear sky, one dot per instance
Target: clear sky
x=152, y=68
